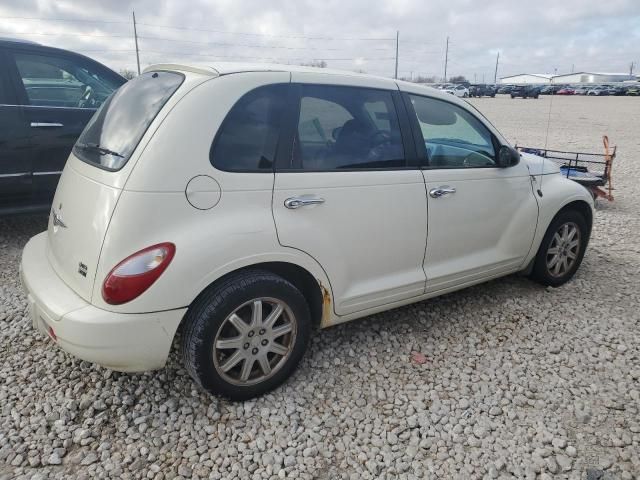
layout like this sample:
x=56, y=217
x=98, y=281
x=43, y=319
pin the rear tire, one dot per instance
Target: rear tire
x=561, y=250
x=246, y=336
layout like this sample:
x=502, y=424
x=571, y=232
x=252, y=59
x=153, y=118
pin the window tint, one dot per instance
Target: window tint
x=248, y=137
x=345, y=128
x=61, y=82
x=116, y=128
x=4, y=91
x=454, y=137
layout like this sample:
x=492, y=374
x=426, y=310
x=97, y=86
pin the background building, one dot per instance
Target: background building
x=591, y=77
x=528, y=78
x=578, y=77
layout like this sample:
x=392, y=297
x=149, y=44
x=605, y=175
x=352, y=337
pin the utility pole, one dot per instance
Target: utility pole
x=474, y=78
x=631, y=67
x=397, y=46
x=495, y=75
x=446, y=60
x=572, y=67
x=135, y=35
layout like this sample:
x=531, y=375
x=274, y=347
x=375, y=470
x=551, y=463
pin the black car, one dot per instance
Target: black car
x=505, y=89
x=551, y=89
x=525, y=91
x=482, y=90
x=47, y=96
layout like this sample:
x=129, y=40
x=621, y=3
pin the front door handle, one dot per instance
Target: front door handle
x=303, y=201
x=442, y=191
x=46, y=125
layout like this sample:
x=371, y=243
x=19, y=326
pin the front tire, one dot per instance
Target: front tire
x=247, y=335
x=562, y=249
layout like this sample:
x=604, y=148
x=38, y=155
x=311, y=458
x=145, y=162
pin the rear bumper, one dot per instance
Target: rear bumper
x=123, y=342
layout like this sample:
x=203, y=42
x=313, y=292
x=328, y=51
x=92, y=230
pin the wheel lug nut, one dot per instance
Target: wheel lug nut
x=245, y=346
x=251, y=333
x=262, y=331
x=254, y=351
x=264, y=342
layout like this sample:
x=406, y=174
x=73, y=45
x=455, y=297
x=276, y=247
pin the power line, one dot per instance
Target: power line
x=66, y=34
x=82, y=20
x=307, y=37
x=295, y=59
x=190, y=28
x=226, y=44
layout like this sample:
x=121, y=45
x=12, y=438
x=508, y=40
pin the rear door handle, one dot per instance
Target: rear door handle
x=442, y=191
x=46, y=125
x=303, y=201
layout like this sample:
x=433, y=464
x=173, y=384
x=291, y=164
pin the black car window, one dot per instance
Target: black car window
x=454, y=138
x=248, y=137
x=53, y=81
x=116, y=128
x=4, y=90
x=347, y=128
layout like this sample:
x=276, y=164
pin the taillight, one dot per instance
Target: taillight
x=136, y=273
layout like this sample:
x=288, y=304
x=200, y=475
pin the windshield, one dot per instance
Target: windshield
x=116, y=128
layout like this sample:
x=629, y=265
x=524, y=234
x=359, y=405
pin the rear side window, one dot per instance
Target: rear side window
x=116, y=128
x=347, y=128
x=248, y=137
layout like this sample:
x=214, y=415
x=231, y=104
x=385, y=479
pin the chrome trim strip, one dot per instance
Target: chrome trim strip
x=36, y=174
x=44, y=106
x=9, y=175
x=46, y=124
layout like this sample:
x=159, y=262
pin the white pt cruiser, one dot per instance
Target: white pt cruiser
x=247, y=204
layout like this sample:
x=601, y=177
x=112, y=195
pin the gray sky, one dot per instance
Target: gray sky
x=533, y=36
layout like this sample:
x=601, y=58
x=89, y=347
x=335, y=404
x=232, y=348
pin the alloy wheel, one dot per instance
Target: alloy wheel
x=254, y=341
x=563, y=250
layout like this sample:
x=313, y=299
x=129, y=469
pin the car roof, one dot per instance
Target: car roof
x=227, y=68
x=5, y=40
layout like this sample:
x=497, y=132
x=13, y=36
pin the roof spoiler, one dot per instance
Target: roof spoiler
x=182, y=68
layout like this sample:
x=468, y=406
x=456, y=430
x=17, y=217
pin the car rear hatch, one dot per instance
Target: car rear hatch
x=96, y=172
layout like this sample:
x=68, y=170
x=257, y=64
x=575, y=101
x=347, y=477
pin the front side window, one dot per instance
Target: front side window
x=454, y=138
x=347, y=128
x=51, y=81
x=248, y=137
x=117, y=127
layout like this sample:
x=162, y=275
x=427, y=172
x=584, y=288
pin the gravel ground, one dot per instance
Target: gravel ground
x=518, y=381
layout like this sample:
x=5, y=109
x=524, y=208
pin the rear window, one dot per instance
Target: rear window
x=116, y=128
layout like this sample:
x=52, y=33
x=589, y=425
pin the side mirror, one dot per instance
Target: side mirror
x=508, y=157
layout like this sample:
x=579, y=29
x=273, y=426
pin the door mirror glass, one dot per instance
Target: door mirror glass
x=507, y=157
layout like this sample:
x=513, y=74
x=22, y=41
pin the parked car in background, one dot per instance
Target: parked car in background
x=598, y=90
x=566, y=91
x=458, y=90
x=580, y=90
x=551, y=89
x=633, y=91
x=504, y=89
x=618, y=90
x=47, y=96
x=141, y=238
x=482, y=90
x=525, y=91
